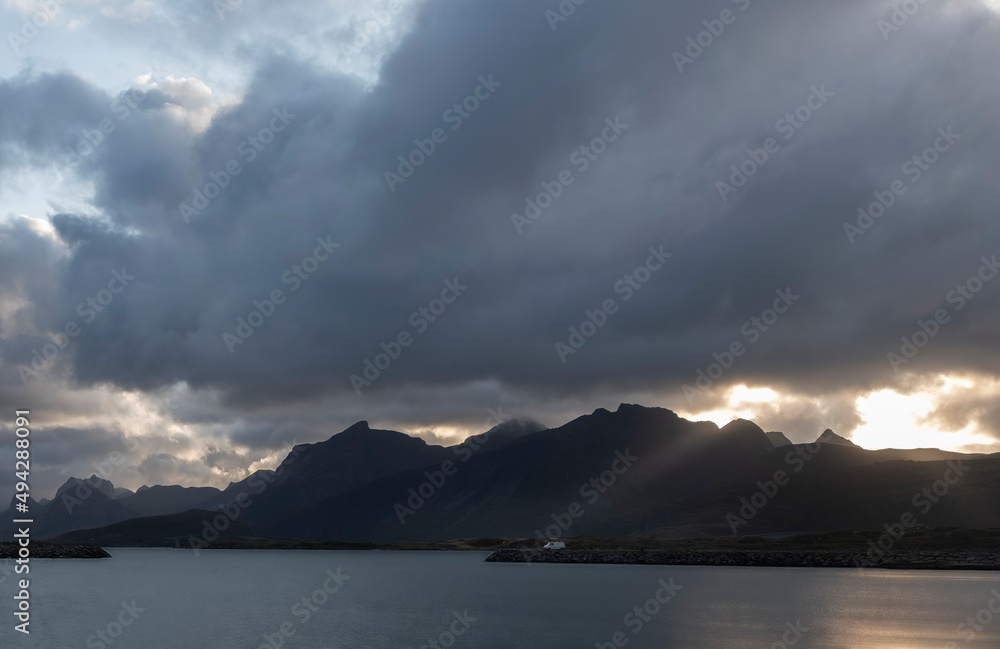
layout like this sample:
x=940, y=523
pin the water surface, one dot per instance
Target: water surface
x=228, y=599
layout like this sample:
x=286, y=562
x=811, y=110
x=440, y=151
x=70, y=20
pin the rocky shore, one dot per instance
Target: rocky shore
x=53, y=551
x=901, y=559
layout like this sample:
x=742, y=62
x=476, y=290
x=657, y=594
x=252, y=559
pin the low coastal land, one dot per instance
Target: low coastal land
x=41, y=550
x=903, y=560
x=938, y=549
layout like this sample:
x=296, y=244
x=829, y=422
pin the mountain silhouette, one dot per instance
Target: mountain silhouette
x=634, y=471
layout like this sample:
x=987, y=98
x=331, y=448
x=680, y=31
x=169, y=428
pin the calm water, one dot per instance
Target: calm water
x=234, y=599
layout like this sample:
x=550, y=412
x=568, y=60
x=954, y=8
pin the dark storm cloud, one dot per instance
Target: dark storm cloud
x=29, y=287
x=322, y=175
x=43, y=114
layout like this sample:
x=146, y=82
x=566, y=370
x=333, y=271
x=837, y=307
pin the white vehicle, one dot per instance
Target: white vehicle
x=555, y=545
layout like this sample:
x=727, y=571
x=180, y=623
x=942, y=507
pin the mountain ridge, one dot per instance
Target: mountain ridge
x=655, y=472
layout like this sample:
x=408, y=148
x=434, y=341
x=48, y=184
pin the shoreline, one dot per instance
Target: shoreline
x=900, y=560
x=43, y=550
x=937, y=549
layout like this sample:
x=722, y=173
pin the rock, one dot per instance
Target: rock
x=53, y=551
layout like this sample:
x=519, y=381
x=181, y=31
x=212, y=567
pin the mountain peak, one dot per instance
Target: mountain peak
x=743, y=425
x=93, y=483
x=360, y=427
x=633, y=408
x=778, y=439
x=627, y=414
x=830, y=437
x=501, y=435
x=749, y=432
x=122, y=492
x=258, y=475
x=514, y=428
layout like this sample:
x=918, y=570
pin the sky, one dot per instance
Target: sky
x=230, y=226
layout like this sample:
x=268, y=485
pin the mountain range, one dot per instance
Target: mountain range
x=636, y=471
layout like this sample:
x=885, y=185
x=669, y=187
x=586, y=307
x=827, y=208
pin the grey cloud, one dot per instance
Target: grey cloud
x=61, y=452
x=323, y=175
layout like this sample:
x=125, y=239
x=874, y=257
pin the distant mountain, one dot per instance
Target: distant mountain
x=686, y=479
x=249, y=486
x=847, y=487
x=778, y=439
x=830, y=437
x=497, y=437
x=78, y=487
x=635, y=471
x=920, y=455
x=501, y=435
x=516, y=489
x=174, y=528
x=160, y=500
x=70, y=512
x=883, y=455
x=79, y=503
x=353, y=458
x=349, y=460
x=95, y=503
x=515, y=428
